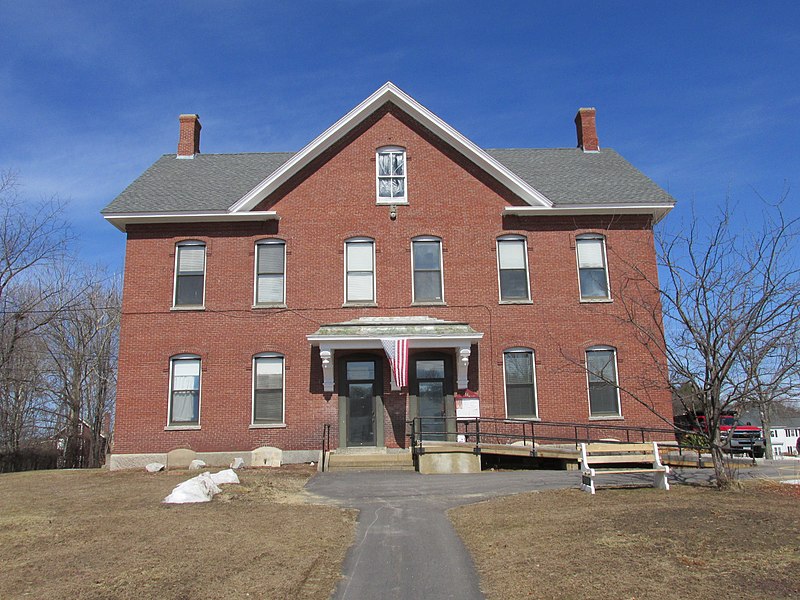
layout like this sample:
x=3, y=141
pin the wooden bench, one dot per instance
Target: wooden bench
x=644, y=456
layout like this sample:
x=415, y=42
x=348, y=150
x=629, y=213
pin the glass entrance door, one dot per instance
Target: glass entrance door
x=431, y=379
x=360, y=388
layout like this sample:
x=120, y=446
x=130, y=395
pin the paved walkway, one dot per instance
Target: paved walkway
x=405, y=547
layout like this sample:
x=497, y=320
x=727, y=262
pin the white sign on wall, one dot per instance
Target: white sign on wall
x=468, y=408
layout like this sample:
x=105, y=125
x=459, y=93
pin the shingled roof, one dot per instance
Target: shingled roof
x=213, y=182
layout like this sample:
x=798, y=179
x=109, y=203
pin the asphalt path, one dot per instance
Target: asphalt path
x=405, y=546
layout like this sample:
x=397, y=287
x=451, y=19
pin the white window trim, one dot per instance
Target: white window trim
x=592, y=417
x=524, y=240
x=174, y=426
x=175, y=304
x=378, y=198
x=374, y=274
x=536, y=416
x=427, y=238
x=602, y=238
x=267, y=242
x=253, y=424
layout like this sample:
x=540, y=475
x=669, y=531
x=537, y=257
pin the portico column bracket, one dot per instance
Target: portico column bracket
x=464, y=353
x=326, y=354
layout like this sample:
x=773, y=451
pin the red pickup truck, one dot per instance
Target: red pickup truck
x=744, y=439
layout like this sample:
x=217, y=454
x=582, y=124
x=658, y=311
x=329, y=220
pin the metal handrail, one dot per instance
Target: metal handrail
x=326, y=442
x=521, y=429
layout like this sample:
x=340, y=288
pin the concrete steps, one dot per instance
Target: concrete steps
x=363, y=461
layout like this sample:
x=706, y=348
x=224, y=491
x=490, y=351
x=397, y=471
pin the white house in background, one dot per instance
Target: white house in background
x=784, y=438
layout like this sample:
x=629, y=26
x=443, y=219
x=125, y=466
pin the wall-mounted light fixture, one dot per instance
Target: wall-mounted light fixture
x=393, y=212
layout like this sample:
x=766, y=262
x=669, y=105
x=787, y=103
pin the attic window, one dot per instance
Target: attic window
x=391, y=175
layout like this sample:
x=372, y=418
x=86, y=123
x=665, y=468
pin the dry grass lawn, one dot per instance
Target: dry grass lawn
x=94, y=534
x=638, y=543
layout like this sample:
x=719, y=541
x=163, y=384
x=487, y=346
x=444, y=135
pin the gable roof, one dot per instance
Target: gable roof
x=227, y=186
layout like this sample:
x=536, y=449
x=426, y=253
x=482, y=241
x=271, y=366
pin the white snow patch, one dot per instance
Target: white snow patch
x=792, y=481
x=226, y=476
x=154, y=467
x=197, y=489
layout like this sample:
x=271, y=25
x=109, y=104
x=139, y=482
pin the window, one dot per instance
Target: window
x=270, y=272
x=268, y=389
x=184, y=403
x=426, y=262
x=520, y=383
x=391, y=175
x=190, y=267
x=601, y=367
x=592, y=272
x=512, y=262
x=359, y=270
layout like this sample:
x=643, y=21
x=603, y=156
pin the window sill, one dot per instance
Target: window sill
x=396, y=201
x=189, y=308
x=596, y=300
x=267, y=306
x=429, y=303
x=524, y=418
x=358, y=304
x=182, y=428
x=608, y=418
x=516, y=301
x=268, y=426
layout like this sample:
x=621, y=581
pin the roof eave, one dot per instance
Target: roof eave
x=658, y=211
x=390, y=93
x=122, y=220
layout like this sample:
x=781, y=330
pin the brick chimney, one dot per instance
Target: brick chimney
x=587, y=130
x=189, y=140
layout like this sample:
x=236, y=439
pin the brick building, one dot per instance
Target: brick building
x=262, y=290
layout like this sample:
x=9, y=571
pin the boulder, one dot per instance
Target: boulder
x=267, y=456
x=154, y=467
x=196, y=464
x=237, y=463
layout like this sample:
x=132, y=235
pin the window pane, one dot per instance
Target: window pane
x=270, y=258
x=398, y=164
x=590, y=254
x=189, y=290
x=426, y=255
x=398, y=187
x=185, y=406
x=427, y=286
x=268, y=406
x=385, y=188
x=512, y=254
x=603, y=399
x=361, y=370
x=191, y=259
x=270, y=289
x=430, y=369
x=519, y=367
x=359, y=256
x=384, y=164
x=513, y=284
x=600, y=364
x=593, y=283
x=359, y=287
x=520, y=401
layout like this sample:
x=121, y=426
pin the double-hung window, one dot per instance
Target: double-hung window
x=520, y=379
x=359, y=270
x=592, y=269
x=601, y=369
x=512, y=264
x=184, y=402
x=426, y=261
x=190, y=274
x=270, y=272
x=268, y=389
x=391, y=175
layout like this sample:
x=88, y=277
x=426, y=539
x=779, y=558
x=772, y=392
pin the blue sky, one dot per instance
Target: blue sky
x=703, y=97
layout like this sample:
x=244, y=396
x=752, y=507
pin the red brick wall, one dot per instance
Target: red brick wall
x=319, y=209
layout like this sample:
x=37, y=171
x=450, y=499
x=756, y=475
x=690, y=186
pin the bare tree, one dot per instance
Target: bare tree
x=723, y=291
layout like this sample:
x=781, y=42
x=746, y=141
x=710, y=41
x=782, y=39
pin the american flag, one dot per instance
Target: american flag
x=397, y=351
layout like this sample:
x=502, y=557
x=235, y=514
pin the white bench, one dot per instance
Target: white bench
x=645, y=456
